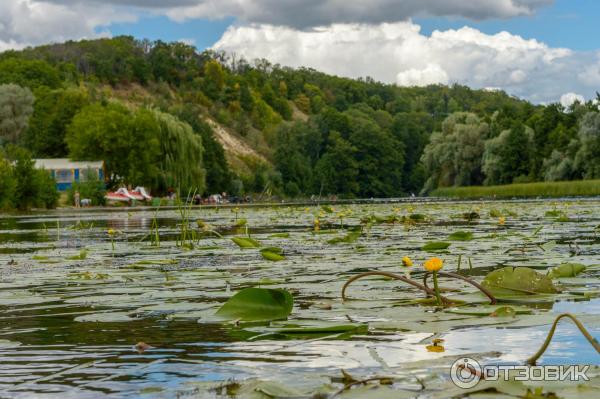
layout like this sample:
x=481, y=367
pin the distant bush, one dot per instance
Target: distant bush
x=23, y=186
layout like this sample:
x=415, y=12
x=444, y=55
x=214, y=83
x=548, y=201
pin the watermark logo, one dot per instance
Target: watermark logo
x=467, y=372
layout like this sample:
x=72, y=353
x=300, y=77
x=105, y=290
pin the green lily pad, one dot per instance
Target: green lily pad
x=348, y=238
x=514, y=280
x=257, y=304
x=566, y=270
x=461, y=236
x=435, y=246
x=273, y=254
x=246, y=242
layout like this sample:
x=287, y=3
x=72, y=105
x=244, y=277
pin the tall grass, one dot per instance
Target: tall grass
x=540, y=189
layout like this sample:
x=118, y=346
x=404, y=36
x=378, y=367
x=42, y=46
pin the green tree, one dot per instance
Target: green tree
x=337, y=170
x=587, y=159
x=180, y=162
x=128, y=143
x=16, y=106
x=218, y=175
x=35, y=187
x=53, y=112
x=453, y=155
x=379, y=158
x=8, y=184
x=508, y=156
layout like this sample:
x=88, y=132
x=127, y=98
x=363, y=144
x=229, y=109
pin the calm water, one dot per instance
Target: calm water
x=69, y=326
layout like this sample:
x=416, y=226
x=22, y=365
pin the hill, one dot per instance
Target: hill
x=163, y=115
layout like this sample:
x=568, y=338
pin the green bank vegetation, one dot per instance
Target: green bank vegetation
x=540, y=189
x=158, y=113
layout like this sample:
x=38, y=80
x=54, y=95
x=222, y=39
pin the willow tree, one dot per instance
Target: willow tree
x=180, y=165
x=16, y=106
x=453, y=155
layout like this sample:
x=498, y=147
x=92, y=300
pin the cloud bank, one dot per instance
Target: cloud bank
x=311, y=13
x=399, y=53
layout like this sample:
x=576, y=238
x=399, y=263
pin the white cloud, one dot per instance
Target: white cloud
x=31, y=22
x=400, y=53
x=431, y=74
x=569, y=99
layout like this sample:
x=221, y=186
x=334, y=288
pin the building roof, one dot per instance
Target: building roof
x=64, y=163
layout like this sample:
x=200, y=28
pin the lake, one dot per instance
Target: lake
x=79, y=289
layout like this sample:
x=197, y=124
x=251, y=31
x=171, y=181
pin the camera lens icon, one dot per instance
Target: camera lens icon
x=465, y=372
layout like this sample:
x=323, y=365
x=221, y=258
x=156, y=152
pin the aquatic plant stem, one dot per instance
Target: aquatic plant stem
x=533, y=359
x=396, y=277
x=436, y=288
x=475, y=284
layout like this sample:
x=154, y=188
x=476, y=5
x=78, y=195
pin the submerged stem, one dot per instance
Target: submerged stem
x=394, y=276
x=475, y=284
x=532, y=360
x=436, y=288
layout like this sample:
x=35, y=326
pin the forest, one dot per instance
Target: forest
x=164, y=115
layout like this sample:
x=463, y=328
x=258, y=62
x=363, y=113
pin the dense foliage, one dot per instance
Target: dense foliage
x=22, y=185
x=150, y=110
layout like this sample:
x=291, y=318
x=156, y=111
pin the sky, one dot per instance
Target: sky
x=541, y=50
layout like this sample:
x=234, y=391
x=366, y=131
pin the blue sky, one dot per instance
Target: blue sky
x=573, y=24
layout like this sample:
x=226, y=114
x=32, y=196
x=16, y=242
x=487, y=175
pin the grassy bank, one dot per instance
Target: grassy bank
x=541, y=189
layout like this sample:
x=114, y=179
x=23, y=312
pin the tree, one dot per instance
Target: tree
x=54, y=111
x=34, y=187
x=16, y=106
x=128, y=143
x=379, y=158
x=453, y=155
x=8, y=184
x=509, y=155
x=214, y=79
x=218, y=175
x=291, y=158
x=180, y=161
x=587, y=159
x=336, y=172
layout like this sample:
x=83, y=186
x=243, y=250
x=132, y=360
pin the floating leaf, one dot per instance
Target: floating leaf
x=241, y=222
x=461, y=236
x=274, y=254
x=566, y=270
x=257, y=304
x=435, y=246
x=246, y=242
x=513, y=280
x=348, y=238
x=280, y=235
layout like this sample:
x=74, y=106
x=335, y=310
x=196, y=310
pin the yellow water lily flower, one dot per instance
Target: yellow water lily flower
x=111, y=232
x=501, y=221
x=433, y=264
x=406, y=261
x=317, y=224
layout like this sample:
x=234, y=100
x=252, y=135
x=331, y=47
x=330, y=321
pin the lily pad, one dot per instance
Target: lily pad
x=274, y=254
x=246, y=242
x=566, y=270
x=257, y=304
x=435, y=246
x=461, y=236
x=518, y=280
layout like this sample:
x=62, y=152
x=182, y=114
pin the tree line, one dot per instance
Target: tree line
x=143, y=107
